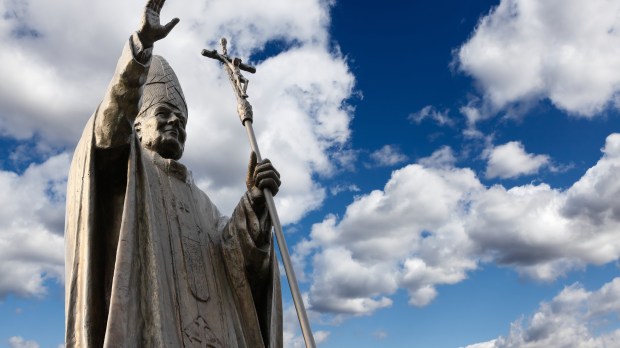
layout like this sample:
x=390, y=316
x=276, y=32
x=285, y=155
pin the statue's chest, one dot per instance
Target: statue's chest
x=187, y=227
x=190, y=256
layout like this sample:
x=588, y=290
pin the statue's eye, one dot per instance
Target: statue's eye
x=181, y=117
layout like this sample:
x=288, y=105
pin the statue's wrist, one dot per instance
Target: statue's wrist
x=257, y=203
x=143, y=40
x=140, y=52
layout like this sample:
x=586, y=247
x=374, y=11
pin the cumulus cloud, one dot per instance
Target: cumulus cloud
x=387, y=156
x=544, y=231
x=442, y=158
x=510, y=160
x=431, y=225
x=442, y=118
x=571, y=319
x=337, y=189
x=31, y=227
x=398, y=237
x=563, y=51
x=593, y=197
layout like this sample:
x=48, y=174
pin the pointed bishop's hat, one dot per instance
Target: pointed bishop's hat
x=162, y=86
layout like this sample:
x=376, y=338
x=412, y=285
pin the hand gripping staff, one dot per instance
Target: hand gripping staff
x=233, y=67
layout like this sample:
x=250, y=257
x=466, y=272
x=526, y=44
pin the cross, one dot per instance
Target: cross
x=244, y=109
x=233, y=67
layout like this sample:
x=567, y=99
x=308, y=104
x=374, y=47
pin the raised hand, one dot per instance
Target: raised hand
x=151, y=29
x=261, y=176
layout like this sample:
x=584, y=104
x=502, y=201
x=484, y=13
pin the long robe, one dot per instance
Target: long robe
x=150, y=262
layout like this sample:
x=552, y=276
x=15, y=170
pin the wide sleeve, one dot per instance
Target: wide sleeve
x=95, y=193
x=253, y=271
x=253, y=233
x=121, y=103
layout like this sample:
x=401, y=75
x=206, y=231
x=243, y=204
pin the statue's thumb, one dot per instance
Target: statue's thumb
x=249, y=180
x=171, y=24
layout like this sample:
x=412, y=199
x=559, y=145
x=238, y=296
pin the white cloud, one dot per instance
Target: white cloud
x=431, y=225
x=20, y=342
x=472, y=113
x=441, y=117
x=442, y=158
x=510, y=160
x=528, y=50
x=380, y=244
x=594, y=196
x=571, y=319
x=31, y=227
x=545, y=232
x=349, y=286
x=387, y=156
x=337, y=189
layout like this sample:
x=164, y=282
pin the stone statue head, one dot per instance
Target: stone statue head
x=160, y=124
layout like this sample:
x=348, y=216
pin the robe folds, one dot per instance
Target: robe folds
x=150, y=262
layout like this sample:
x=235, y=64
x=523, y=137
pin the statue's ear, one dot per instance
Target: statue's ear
x=137, y=126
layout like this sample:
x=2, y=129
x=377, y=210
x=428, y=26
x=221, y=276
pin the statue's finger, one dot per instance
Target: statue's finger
x=269, y=176
x=266, y=165
x=151, y=4
x=269, y=184
x=253, y=162
x=168, y=27
x=258, y=171
x=158, y=5
x=261, y=175
x=249, y=181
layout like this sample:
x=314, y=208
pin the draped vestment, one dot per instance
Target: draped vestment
x=150, y=262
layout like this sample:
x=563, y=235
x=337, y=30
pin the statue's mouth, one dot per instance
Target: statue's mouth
x=171, y=131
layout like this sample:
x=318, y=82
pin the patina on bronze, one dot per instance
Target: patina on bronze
x=150, y=261
x=239, y=83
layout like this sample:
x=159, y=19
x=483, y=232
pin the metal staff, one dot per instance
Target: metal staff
x=244, y=109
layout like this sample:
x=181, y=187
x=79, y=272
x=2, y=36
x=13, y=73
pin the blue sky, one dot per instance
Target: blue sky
x=450, y=168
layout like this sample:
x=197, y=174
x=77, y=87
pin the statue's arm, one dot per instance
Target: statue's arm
x=248, y=251
x=120, y=105
x=249, y=228
x=251, y=267
x=260, y=176
x=119, y=108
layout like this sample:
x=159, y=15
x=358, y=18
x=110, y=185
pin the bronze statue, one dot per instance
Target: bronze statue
x=150, y=262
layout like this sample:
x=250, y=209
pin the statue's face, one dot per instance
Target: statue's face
x=162, y=129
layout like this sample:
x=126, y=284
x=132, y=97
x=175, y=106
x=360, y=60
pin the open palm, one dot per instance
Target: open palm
x=151, y=29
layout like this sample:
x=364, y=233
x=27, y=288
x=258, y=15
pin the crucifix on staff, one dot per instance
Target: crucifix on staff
x=233, y=67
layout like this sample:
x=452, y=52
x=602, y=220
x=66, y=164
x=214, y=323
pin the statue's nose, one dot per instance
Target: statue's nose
x=173, y=120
